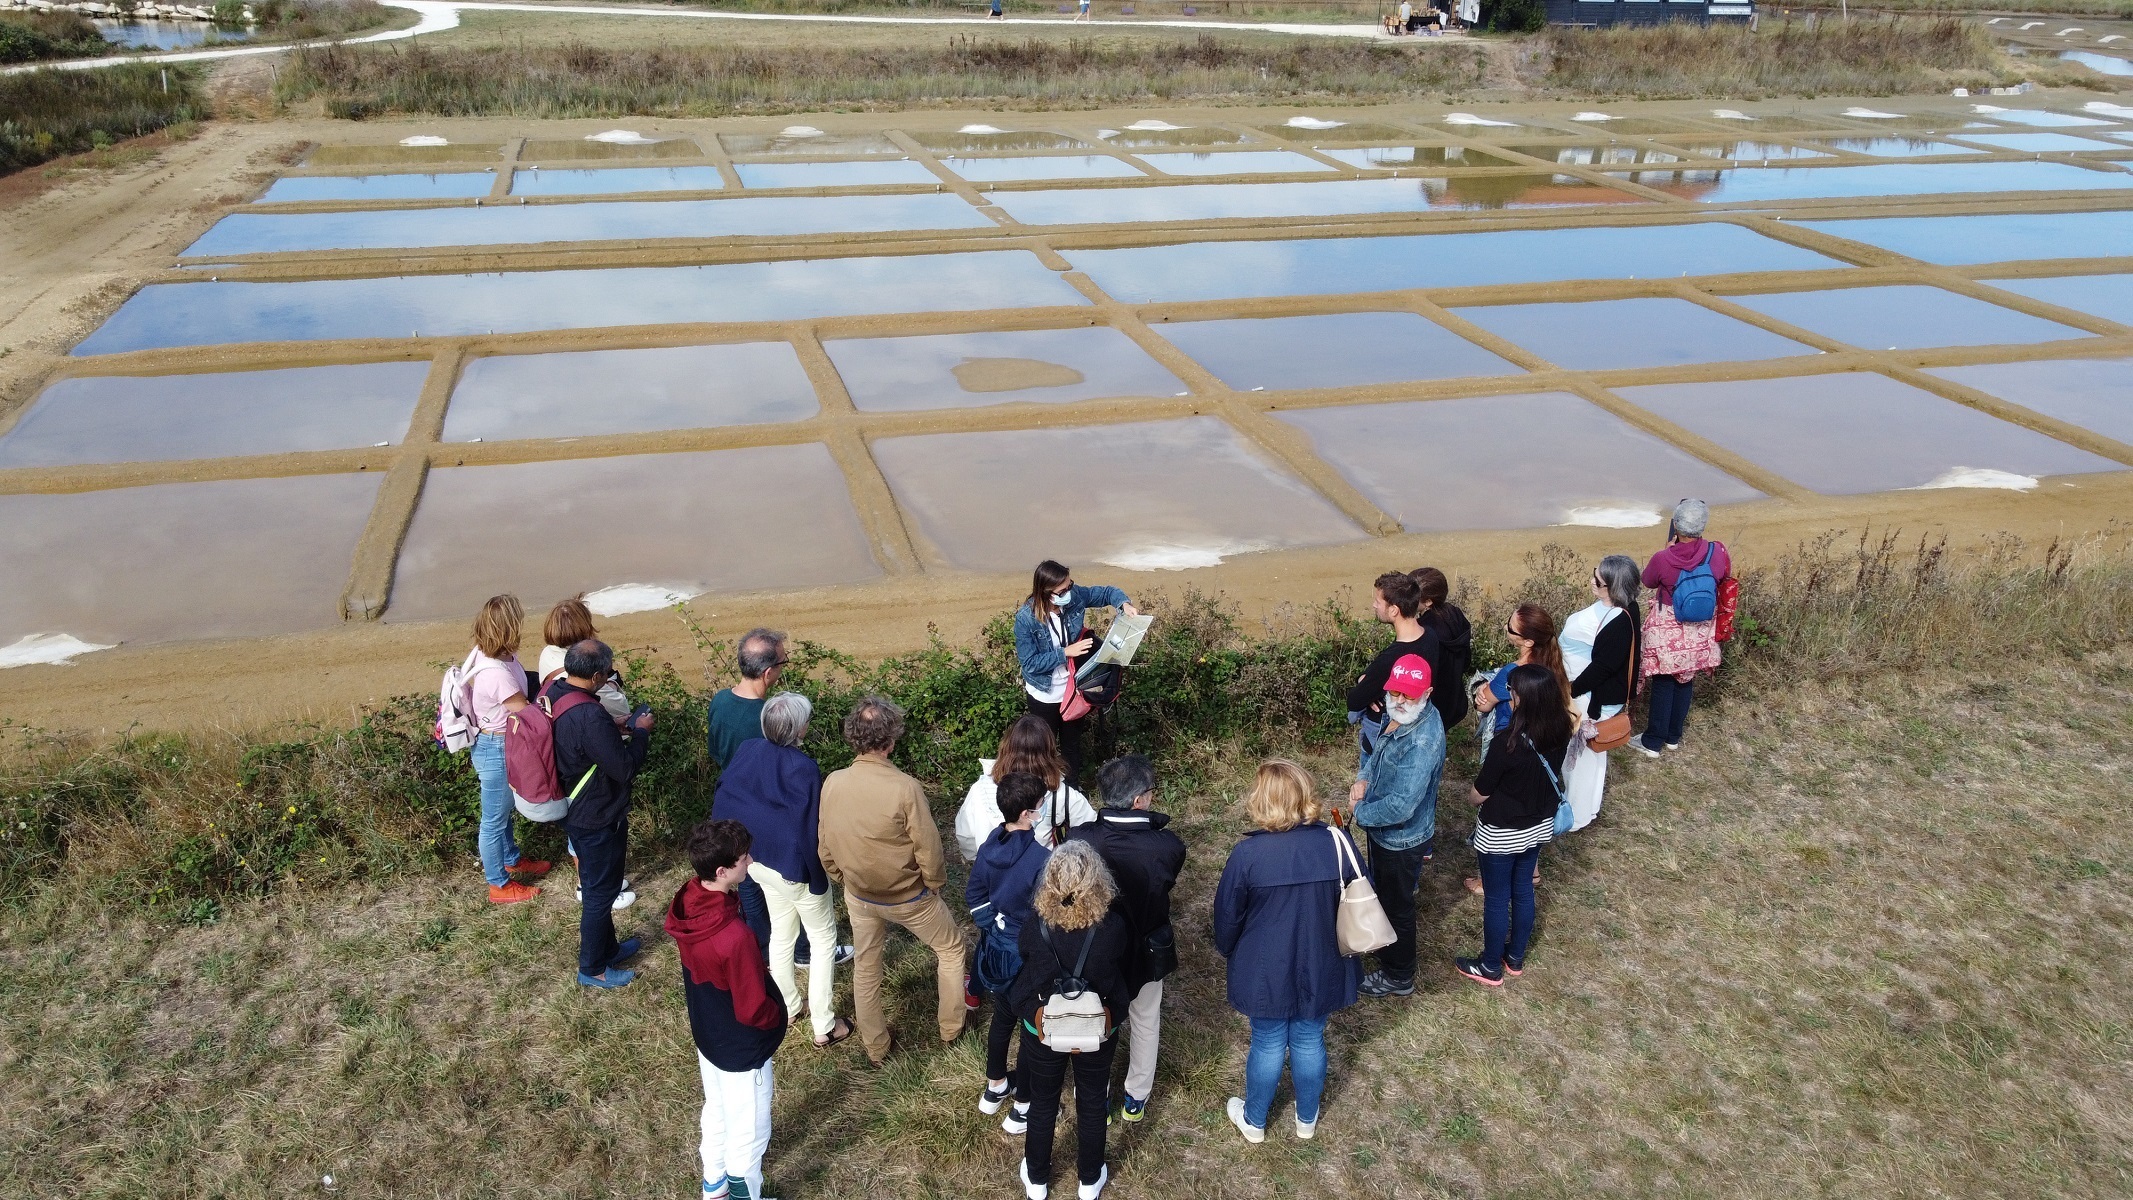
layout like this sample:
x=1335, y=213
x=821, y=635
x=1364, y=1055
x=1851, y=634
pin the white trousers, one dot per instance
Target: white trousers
x=736, y=1128
x=791, y=906
x=1144, y=1026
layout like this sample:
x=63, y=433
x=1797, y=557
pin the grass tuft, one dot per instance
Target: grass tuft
x=1863, y=56
x=52, y=112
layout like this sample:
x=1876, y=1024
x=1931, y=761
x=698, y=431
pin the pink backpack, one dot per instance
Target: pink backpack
x=529, y=753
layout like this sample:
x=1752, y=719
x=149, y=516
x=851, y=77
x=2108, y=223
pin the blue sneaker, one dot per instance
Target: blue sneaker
x=613, y=977
x=626, y=951
x=1131, y=1109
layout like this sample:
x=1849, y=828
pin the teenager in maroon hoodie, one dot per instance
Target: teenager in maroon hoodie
x=736, y=1013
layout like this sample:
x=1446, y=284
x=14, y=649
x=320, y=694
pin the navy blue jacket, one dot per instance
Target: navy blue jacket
x=1003, y=880
x=1274, y=921
x=586, y=737
x=776, y=791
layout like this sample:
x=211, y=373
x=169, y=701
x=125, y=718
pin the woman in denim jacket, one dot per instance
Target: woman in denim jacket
x=1048, y=637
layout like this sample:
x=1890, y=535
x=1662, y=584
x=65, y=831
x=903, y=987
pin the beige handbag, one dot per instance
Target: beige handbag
x=1361, y=926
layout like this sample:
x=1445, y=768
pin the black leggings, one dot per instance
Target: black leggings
x=1066, y=733
x=1047, y=1070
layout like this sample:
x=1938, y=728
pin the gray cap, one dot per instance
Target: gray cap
x=1690, y=517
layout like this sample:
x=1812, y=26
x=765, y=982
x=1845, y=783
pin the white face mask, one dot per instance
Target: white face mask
x=1402, y=709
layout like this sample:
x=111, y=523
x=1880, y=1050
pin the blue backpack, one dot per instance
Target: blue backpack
x=1696, y=592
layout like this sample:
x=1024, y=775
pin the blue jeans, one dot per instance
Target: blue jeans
x=1670, y=711
x=601, y=854
x=1506, y=906
x=499, y=851
x=1302, y=1041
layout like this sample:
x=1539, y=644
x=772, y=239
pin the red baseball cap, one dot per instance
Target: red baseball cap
x=1410, y=677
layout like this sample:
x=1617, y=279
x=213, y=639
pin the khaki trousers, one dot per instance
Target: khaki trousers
x=928, y=919
x=1144, y=1032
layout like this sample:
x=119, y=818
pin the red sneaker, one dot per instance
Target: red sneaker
x=531, y=868
x=511, y=893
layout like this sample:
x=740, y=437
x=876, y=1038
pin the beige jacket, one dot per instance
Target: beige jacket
x=877, y=834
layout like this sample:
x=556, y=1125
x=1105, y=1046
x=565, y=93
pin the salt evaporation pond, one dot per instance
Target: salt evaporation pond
x=1907, y=318
x=592, y=181
x=1605, y=335
x=593, y=392
x=969, y=370
x=2106, y=296
x=2093, y=393
x=1331, y=350
x=458, y=185
x=1993, y=238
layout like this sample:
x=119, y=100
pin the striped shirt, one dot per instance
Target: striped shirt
x=1489, y=839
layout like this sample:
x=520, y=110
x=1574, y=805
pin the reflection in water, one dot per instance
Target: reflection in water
x=963, y=142
x=1892, y=147
x=1889, y=318
x=2040, y=117
x=1738, y=184
x=1009, y=170
x=1996, y=238
x=457, y=186
x=833, y=174
x=1204, y=135
x=1335, y=350
x=1217, y=201
x=1749, y=151
x=2107, y=296
x=2038, y=142
x=134, y=418
x=228, y=558
x=1854, y=432
x=811, y=144
x=542, y=150
x=628, y=391
x=2104, y=63
x=687, y=523
x=965, y=370
x=1603, y=335
x=390, y=155
x=1442, y=464
x=1391, y=157
x=2093, y=393
x=1233, y=162
x=167, y=35
x=1169, y=493
x=601, y=180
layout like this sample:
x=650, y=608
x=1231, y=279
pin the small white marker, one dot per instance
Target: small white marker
x=380, y=445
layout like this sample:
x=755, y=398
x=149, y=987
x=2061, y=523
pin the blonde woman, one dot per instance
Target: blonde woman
x=1274, y=920
x=497, y=685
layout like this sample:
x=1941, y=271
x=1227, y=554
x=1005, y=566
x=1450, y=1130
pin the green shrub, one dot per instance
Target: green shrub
x=50, y=112
x=1513, y=16
x=37, y=36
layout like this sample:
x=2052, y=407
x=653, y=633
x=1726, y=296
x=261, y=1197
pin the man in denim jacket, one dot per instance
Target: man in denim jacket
x=1395, y=799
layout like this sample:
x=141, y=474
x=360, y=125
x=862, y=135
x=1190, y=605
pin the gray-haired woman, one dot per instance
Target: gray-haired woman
x=775, y=789
x=1674, y=651
x=1599, y=645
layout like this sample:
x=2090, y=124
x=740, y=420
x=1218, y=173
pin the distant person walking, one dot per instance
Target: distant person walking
x=1274, y=920
x=735, y=1015
x=1083, y=15
x=994, y=13
x=775, y=789
x=569, y=623
x=878, y=839
x=1675, y=648
x=1049, y=641
x=1455, y=644
x=497, y=685
x=589, y=746
x=1395, y=804
x=1079, y=942
x=1002, y=887
x=1145, y=859
x=1026, y=746
x=1396, y=600
x=1518, y=790
x=1599, y=644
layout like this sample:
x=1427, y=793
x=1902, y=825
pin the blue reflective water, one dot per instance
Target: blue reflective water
x=1855, y=432
x=209, y=313
x=1906, y=318
x=599, y=220
x=833, y=174
x=2033, y=142
x=1233, y=162
x=1983, y=239
x=128, y=418
x=2037, y=116
x=1344, y=197
x=1605, y=335
x=1221, y=270
x=628, y=391
x=2093, y=393
x=1397, y=157
x=1752, y=184
x=166, y=35
x=968, y=370
x=1334, y=350
x=596, y=180
x=1747, y=150
x=2104, y=63
x=2107, y=296
x=1892, y=147
x=460, y=185
x=1065, y=166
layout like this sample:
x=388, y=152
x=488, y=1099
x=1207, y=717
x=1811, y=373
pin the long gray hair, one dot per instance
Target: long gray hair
x=1619, y=575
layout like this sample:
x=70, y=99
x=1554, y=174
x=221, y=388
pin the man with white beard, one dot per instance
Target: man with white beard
x=1395, y=803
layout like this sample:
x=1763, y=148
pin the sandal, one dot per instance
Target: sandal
x=839, y=1031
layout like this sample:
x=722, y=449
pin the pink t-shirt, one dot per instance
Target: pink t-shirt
x=495, y=681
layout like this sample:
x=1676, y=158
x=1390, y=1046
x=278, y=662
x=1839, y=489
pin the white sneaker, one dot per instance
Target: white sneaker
x=1035, y=1191
x=992, y=1098
x=1090, y=1191
x=1307, y=1129
x=1016, y=1122
x=1254, y=1134
x=626, y=891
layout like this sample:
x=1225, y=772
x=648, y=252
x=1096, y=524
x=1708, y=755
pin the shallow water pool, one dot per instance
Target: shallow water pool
x=710, y=521
x=598, y=220
x=1656, y=331
x=207, y=313
x=1994, y=238
x=224, y=558
x=1747, y=150
x=834, y=174
x=1343, y=197
x=391, y=155
x=1198, y=135
x=130, y=418
x=606, y=180
x=1233, y=162
x=2093, y=393
x=1316, y=266
x=1331, y=350
x=1907, y=318
x=1162, y=494
x=2042, y=117
x=1855, y=432
x=460, y=185
x=965, y=142
x=1508, y=462
x=970, y=370
x=1892, y=147
x=812, y=145
x=2039, y=142
x=2105, y=64
x=2107, y=296
x=1751, y=184
x=1392, y=158
x=546, y=150
x=628, y=391
x=1071, y=166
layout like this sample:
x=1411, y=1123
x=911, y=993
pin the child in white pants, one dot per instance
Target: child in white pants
x=736, y=1127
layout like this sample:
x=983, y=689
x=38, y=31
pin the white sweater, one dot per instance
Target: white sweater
x=980, y=814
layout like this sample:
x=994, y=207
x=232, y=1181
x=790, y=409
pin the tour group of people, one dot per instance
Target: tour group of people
x=1071, y=870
